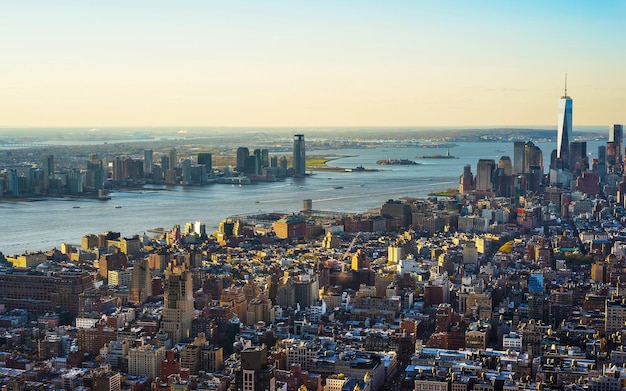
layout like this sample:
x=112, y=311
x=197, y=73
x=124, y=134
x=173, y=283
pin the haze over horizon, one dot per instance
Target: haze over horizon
x=310, y=64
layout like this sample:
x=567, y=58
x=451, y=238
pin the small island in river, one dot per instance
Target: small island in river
x=404, y=162
x=437, y=156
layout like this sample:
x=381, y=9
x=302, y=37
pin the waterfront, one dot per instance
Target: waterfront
x=41, y=225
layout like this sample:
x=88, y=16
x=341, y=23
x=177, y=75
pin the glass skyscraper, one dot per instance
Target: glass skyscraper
x=564, y=131
x=299, y=157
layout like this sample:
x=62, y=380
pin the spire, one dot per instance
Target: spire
x=565, y=94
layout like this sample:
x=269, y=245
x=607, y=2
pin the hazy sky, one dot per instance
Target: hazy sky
x=310, y=63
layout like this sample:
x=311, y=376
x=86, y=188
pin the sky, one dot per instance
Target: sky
x=310, y=63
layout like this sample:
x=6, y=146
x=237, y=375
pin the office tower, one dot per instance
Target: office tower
x=578, y=156
x=299, y=156
x=178, y=302
x=614, y=316
x=616, y=136
x=95, y=176
x=165, y=163
x=536, y=300
x=518, y=156
x=242, y=156
x=601, y=154
x=265, y=158
x=148, y=162
x=173, y=158
x=252, y=165
x=505, y=164
x=564, y=130
x=255, y=373
x=140, y=287
x=145, y=361
x=47, y=166
x=484, y=174
x=466, y=182
x=533, y=158
x=206, y=159
x=74, y=181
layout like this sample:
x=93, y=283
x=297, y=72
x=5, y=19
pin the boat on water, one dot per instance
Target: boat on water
x=338, y=187
x=117, y=206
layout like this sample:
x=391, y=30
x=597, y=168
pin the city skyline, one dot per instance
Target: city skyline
x=309, y=63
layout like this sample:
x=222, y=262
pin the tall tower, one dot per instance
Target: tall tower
x=616, y=136
x=518, y=157
x=484, y=174
x=148, y=161
x=173, y=158
x=564, y=131
x=242, y=155
x=177, y=302
x=47, y=166
x=299, y=157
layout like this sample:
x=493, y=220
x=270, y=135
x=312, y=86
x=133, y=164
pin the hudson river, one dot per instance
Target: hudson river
x=42, y=225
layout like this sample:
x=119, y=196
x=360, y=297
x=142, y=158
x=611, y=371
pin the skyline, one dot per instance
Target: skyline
x=305, y=64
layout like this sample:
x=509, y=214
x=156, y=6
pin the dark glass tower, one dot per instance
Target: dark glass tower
x=299, y=157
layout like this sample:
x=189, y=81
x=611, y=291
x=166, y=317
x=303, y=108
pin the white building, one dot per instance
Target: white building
x=145, y=360
x=512, y=341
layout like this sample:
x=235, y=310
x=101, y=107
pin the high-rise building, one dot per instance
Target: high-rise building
x=537, y=306
x=466, y=182
x=578, y=156
x=484, y=174
x=614, y=316
x=177, y=302
x=564, y=130
x=165, y=163
x=242, y=156
x=255, y=373
x=173, y=158
x=140, y=287
x=299, y=156
x=505, y=164
x=533, y=158
x=95, y=176
x=518, y=156
x=145, y=360
x=206, y=159
x=47, y=166
x=616, y=136
x=148, y=161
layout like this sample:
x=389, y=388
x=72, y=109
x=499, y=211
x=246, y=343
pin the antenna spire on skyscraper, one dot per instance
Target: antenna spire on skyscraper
x=565, y=84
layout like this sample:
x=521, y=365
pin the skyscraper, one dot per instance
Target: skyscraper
x=173, y=158
x=242, y=155
x=518, y=157
x=564, y=131
x=533, y=157
x=466, y=182
x=47, y=167
x=616, y=136
x=177, y=302
x=299, y=157
x=148, y=162
x=206, y=159
x=484, y=174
